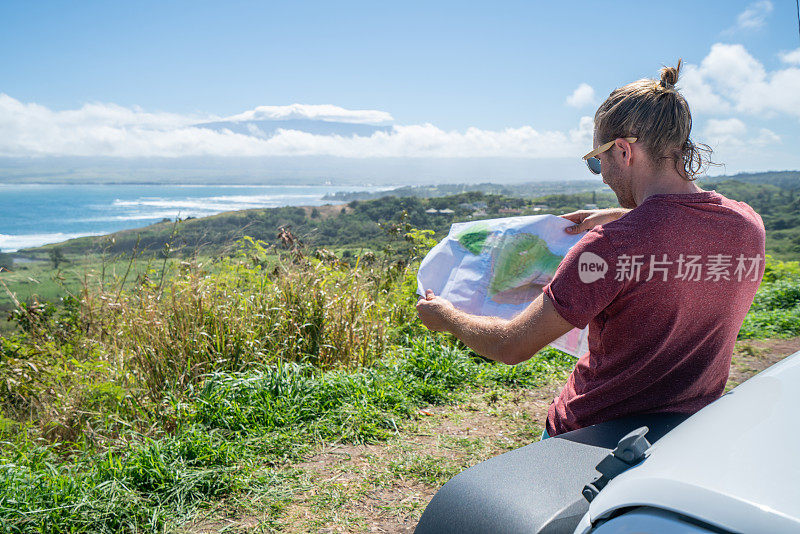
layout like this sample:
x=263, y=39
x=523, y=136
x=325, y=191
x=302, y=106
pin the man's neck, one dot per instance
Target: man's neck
x=664, y=183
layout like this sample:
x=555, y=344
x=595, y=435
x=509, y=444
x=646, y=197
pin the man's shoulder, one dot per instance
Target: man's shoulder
x=616, y=233
x=678, y=216
x=744, y=209
x=599, y=236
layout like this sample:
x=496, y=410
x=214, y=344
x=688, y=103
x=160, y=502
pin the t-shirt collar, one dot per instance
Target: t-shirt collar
x=702, y=196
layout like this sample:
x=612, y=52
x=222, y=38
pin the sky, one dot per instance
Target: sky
x=453, y=80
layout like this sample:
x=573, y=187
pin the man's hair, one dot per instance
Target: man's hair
x=658, y=116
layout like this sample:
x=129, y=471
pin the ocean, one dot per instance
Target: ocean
x=37, y=214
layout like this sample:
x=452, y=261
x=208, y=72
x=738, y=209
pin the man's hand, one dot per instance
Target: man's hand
x=508, y=341
x=435, y=312
x=587, y=219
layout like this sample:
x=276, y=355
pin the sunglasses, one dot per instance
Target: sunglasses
x=593, y=162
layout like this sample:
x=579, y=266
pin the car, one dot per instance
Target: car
x=733, y=466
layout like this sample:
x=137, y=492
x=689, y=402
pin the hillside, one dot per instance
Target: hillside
x=367, y=224
x=789, y=180
x=523, y=190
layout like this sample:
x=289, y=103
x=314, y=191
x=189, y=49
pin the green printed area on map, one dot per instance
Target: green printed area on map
x=474, y=239
x=520, y=259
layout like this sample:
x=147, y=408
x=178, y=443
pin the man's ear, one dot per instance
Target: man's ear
x=625, y=151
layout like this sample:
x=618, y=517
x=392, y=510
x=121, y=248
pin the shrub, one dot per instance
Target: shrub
x=775, y=311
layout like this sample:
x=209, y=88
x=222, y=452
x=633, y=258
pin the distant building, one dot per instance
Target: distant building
x=445, y=211
x=480, y=205
x=510, y=211
x=479, y=213
x=590, y=207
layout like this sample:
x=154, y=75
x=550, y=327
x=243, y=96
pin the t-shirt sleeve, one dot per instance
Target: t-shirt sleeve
x=584, y=283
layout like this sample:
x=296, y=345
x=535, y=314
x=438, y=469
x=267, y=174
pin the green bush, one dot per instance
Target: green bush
x=781, y=270
x=782, y=294
x=771, y=323
x=775, y=311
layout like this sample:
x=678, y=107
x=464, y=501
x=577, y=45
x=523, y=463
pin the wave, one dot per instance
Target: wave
x=13, y=243
x=217, y=204
x=86, y=210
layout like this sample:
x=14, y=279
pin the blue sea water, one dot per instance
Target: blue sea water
x=37, y=214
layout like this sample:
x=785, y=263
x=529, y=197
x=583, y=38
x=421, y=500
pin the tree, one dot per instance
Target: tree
x=57, y=257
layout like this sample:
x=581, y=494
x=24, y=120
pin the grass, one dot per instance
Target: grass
x=436, y=469
x=234, y=432
x=113, y=491
x=147, y=403
x=357, y=406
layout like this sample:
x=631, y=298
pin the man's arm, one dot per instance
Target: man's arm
x=508, y=341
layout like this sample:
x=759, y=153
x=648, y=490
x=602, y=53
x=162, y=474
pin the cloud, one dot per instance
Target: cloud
x=731, y=134
x=729, y=78
x=698, y=91
x=313, y=112
x=793, y=57
x=767, y=137
x=753, y=17
x=28, y=129
x=725, y=131
x=582, y=96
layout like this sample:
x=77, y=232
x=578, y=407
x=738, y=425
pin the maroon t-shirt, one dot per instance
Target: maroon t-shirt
x=664, y=290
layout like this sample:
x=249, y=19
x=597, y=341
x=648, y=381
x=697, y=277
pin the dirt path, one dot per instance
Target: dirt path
x=752, y=357
x=385, y=487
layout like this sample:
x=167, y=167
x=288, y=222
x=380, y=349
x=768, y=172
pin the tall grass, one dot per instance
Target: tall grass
x=113, y=356
x=232, y=315
x=127, y=410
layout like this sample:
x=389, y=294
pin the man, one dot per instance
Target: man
x=681, y=268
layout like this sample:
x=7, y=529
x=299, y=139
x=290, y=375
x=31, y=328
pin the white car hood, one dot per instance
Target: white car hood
x=734, y=464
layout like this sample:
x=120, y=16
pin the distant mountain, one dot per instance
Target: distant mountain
x=523, y=190
x=281, y=170
x=267, y=128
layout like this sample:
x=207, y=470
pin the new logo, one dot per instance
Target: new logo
x=591, y=267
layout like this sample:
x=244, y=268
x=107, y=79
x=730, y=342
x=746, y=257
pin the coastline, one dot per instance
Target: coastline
x=30, y=254
x=32, y=216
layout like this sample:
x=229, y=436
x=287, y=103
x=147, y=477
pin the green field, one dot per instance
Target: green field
x=40, y=281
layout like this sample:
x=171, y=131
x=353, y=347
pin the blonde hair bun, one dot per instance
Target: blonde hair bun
x=669, y=75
